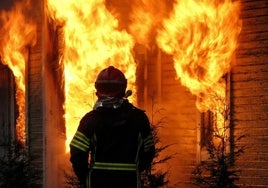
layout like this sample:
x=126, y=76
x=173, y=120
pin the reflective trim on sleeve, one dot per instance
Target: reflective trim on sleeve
x=82, y=136
x=148, y=143
x=80, y=141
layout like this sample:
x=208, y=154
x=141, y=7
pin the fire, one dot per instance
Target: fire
x=145, y=16
x=92, y=42
x=16, y=34
x=202, y=37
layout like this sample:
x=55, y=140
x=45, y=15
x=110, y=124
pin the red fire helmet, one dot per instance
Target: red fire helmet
x=111, y=82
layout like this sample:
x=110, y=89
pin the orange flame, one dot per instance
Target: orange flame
x=202, y=37
x=16, y=34
x=146, y=16
x=92, y=42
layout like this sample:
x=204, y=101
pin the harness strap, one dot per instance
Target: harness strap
x=115, y=166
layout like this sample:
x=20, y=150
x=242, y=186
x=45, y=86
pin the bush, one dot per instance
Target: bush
x=15, y=169
x=219, y=170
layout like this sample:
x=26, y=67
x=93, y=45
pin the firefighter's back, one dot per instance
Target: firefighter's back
x=115, y=147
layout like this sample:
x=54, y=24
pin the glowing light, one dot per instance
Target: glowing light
x=146, y=16
x=16, y=34
x=92, y=42
x=202, y=37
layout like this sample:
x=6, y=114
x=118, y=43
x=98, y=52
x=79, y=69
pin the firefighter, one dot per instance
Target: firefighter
x=113, y=142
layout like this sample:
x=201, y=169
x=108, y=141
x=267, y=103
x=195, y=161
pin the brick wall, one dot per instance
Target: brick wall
x=249, y=93
x=249, y=103
x=34, y=98
x=45, y=122
x=249, y=84
x=174, y=107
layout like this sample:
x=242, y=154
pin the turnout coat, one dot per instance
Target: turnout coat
x=112, y=146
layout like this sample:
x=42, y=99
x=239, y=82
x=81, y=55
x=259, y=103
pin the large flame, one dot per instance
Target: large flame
x=202, y=37
x=92, y=42
x=17, y=34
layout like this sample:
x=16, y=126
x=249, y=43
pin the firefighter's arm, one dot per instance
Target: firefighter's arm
x=79, y=163
x=148, y=149
x=79, y=151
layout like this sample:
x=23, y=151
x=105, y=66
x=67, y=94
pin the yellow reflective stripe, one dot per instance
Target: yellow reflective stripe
x=148, y=142
x=82, y=137
x=148, y=139
x=79, y=145
x=114, y=166
x=148, y=146
x=80, y=141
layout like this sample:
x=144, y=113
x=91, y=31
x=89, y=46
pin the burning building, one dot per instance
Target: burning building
x=186, y=62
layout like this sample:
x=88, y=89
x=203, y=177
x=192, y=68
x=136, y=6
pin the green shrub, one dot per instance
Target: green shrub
x=220, y=170
x=15, y=170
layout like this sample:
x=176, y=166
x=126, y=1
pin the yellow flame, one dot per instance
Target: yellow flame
x=202, y=37
x=16, y=34
x=92, y=42
x=146, y=16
